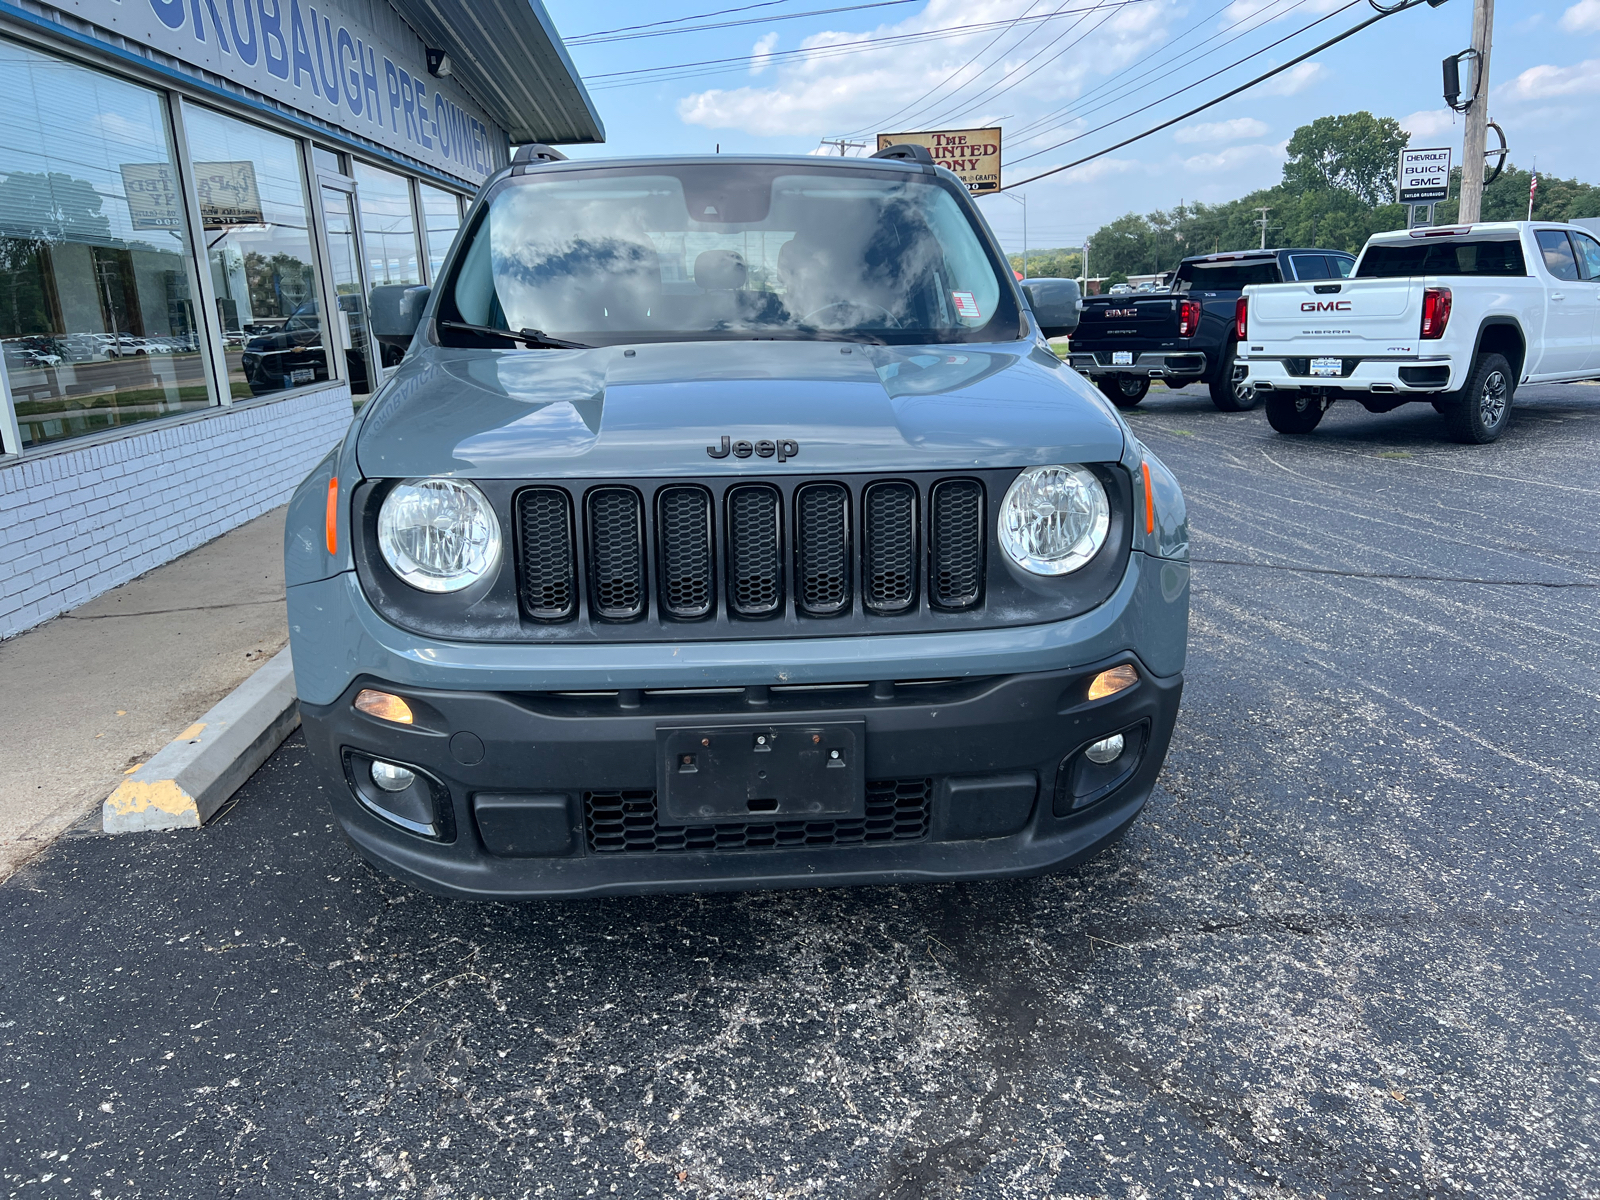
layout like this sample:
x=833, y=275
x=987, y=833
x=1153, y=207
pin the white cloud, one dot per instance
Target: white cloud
x=1236, y=158
x=1295, y=80
x=1221, y=131
x=1548, y=82
x=761, y=53
x=1582, y=17
x=1428, y=124
x=826, y=94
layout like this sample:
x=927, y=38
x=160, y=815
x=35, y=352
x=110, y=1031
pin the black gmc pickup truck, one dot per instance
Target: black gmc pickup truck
x=1187, y=334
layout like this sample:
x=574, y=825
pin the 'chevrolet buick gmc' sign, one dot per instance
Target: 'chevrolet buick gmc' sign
x=1424, y=175
x=973, y=154
x=352, y=63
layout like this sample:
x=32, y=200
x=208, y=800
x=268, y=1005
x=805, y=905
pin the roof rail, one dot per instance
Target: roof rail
x=908, y=151
x=536, y=154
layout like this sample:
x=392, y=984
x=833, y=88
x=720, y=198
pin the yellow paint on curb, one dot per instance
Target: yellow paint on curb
x=134, y=796
x=192, y=732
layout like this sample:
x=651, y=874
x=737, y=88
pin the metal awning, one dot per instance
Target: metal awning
x=509, y=57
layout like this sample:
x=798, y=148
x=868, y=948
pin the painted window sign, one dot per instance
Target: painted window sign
x=367, y=76
x=227, y=191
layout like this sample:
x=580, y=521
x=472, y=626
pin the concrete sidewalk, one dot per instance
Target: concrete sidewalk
x=88, y=696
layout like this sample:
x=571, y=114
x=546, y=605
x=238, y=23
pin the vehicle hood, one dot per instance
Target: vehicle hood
x=606, y=412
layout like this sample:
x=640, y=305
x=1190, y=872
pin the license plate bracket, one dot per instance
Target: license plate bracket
x=745, y=773
x=1122, y=358
x=1327, y=367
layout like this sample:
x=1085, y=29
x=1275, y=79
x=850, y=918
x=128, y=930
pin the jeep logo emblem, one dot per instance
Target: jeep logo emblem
x=1325, y=306
x=783, y=448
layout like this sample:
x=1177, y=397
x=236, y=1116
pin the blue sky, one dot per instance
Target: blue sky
x=1071, y=65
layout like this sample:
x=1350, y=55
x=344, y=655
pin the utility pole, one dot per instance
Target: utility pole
x=844, y=145
x=1086, y=266
x=1477, y=110
x=1262, y=221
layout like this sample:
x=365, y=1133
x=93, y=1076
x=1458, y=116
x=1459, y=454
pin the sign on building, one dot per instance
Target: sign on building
x=353, y=63
x=227, y=190
x=973, y=154
x=1424, y=175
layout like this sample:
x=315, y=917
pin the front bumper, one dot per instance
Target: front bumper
x=1176, y=364
x=1422, y=377
x=552, y=794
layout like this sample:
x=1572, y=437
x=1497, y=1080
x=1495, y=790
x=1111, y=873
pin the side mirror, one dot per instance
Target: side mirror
x=1055, y=303
x=395, y=310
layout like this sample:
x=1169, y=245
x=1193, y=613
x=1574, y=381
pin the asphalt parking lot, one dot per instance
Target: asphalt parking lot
x=1350, y=949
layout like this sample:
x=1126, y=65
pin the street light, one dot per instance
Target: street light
x=1022, y=200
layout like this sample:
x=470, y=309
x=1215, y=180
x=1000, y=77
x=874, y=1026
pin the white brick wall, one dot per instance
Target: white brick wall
x=77, y=523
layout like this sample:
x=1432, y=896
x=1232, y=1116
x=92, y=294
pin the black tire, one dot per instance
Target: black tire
x=1480, y=412
x=1125, y=391
x=1227, y=395
x=1294, y=412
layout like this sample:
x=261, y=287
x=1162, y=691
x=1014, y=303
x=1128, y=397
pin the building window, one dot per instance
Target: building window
x=441, y=215
x=389, y=241
x=97, y=320
x=258, y=248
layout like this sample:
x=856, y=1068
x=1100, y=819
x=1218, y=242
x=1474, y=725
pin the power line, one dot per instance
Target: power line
x=1262, y=78
x=594, y=39
x=721, y=12
x=1203, y=79
x=895, y=116
x=670, y=71
x=1121, y=87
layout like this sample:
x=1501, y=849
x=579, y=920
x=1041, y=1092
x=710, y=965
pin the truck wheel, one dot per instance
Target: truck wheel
x=1294, y=412
x=1480, y=412
x=1227, y=395
x=1125, y=391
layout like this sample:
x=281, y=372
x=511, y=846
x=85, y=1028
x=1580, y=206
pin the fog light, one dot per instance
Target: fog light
x=1104, y=751
x=384, y=706
x=1109, y=683
x=397, y=779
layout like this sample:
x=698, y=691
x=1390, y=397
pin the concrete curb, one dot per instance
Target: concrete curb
x=191, y=777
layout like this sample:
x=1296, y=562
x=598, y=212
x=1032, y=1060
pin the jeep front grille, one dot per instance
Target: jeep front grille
x=549, y=577
x=778, y=550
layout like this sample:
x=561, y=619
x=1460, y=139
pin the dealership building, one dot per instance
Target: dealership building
x=207, y=209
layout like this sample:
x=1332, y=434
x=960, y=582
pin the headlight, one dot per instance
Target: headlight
x=438, y=535
x=1054, y=519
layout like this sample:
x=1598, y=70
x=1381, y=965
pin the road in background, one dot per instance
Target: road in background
x=1349, y=950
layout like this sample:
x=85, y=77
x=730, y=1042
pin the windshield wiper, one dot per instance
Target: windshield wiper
x=534, y=339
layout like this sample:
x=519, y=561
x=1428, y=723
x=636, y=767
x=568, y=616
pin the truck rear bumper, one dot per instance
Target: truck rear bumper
x=1177, y=364
x=1423, y=377
x=553, y=794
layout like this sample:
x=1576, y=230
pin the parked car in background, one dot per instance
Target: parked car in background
x=1186, y=334
x=1455, y=315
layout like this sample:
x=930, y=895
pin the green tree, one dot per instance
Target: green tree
x=1060, y=263
x=1356, y=153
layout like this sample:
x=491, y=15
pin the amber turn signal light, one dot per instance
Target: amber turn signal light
x=331, y=521
x=386, y=707
x=1107, y=683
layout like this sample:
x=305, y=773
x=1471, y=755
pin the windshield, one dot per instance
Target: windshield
x=729, y=252
x=1390, y=260
x=1225, y=277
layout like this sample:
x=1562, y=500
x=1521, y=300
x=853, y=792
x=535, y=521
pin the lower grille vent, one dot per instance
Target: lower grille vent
x=624, y=822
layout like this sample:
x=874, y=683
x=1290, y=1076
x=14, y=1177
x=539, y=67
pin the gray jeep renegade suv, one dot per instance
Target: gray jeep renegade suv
x=731, y=524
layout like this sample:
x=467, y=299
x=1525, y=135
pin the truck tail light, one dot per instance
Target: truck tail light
x=1188, y=318
x=1241, y=318
x=1435, y=313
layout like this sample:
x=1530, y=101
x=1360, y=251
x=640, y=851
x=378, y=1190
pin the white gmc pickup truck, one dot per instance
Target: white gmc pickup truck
x=1457, y=315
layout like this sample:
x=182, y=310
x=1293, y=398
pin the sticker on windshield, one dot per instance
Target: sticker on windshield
x=966, y=305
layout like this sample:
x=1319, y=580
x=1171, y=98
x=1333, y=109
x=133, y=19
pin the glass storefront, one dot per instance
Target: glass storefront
x=258, y=248
x=441, y=214
x=389, y=235
x=107, y=294
x=97, y=316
